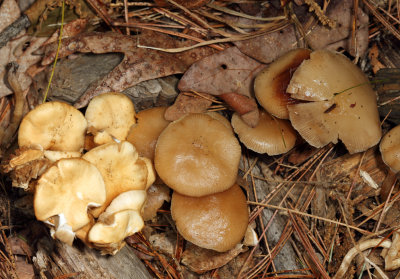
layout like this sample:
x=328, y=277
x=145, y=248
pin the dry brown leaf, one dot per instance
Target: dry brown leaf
x=24, y=269
x=224, y=72
x=188, y=104
x=201, y=260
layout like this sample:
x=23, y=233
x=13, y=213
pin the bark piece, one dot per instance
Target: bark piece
x=87, y=263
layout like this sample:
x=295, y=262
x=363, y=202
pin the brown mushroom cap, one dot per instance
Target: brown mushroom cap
x=390, y=149
x=110, y=115
x=218, y=221
x=63, y=190
x=121, y=168
x=53, y=126
x=197, y=155
x=144, y=134
x=272, y=135
x=271, y=83
x=343, y=103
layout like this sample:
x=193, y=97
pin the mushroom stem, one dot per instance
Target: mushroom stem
x=6, y=134
x=360, y=247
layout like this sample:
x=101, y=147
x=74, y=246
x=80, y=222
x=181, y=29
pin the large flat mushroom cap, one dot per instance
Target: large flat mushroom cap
x=69, y=187
x=342, y=103
x=197, y=155
x=53, y=126
x=218, y=221
x=272, y=135
x=390, y=149
x=110, y=115
x=121, y=168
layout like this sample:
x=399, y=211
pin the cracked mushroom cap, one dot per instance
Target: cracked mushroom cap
x=144, y=134
x=272, y=135
x=390, y=149
x=340, y=103
x=271, y=83
x=197, y=155
x=110, y=115
x=121, y=168
x=63, y=191
x=218, y=221
x=53, y=126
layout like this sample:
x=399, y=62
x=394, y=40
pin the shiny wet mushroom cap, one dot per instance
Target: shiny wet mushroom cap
x=272, y=135
x=271, y=83
x=218, y=221
x=197, y=155
x=338, y=103
x=53, y=126
x=110, y=116
x=390, y=149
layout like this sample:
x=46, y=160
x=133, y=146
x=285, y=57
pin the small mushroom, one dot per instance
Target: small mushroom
x=272, y=136
x=110, y=116
x=121, y=168
x=197, y=155
x=340, y=103
x=62, y=193
x=144, y=134
x=218, y=221
x=271, y=83
x=53, y=126
x=390, y=149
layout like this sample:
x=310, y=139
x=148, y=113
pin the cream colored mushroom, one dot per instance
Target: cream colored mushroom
x=197, y=155
x=339, y=103
x=65, y=192
x=121, y=168
x=110, y=116
x=53, y=126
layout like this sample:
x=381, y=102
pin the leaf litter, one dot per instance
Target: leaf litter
x=321, y=233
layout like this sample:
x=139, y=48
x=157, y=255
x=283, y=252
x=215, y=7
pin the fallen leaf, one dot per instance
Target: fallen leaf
x=19, y=246
x=188, y=104
x=201, y=260
x=224, y=72
x=24, y=270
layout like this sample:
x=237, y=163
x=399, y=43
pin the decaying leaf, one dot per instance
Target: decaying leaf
x=201, y=260
x=224, y=72
x=188, y=104
x=270, y=46
x=139, y=64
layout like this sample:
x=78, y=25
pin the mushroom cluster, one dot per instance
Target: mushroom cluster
x=88, y=181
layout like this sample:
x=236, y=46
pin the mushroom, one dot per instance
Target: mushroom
x=144, y=134
x=53, y=126
x=218, y=221
x=271, y=83
x=122, y=218
x=340, y=103
x=121, y=168
x=390, y=149
x=110, y=116
x=197, y=155
x=62, y=196
x=272, y=136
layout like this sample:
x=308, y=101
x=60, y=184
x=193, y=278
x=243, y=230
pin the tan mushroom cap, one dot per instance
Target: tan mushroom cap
x=53, y=126
x=218, y=221
x=272, y=135
x=129, y=200
x=108, y=234
x=197, y=155
x=271, y=83
x=121, y=168
x=68, y=188
x=144, y=134
x=343, y=103
x=390, y=149
x=110, y=115
x=58, y=155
